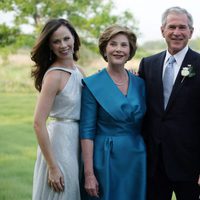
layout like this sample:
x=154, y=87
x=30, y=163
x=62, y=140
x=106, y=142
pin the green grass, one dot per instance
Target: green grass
x=17, y=146
x=15, y=74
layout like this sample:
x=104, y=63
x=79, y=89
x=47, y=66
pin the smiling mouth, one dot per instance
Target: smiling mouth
x=118, y=56
x=177, y=39
x=66, y=51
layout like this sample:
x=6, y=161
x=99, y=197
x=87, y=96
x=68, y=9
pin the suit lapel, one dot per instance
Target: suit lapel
x=158, y=79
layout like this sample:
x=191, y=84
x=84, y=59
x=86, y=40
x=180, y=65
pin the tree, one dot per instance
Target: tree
x=89, y=17
x=7, y=35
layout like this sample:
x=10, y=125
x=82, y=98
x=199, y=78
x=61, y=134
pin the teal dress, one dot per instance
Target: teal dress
x=113, y=121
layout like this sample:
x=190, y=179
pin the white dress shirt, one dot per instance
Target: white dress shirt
x=179, y=57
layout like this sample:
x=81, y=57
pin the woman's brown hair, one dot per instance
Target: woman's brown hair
x=41, y=53
x=112, y=31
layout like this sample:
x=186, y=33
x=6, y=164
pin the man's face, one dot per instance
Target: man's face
x=176, y=32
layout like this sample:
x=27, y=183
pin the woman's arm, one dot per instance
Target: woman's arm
x=91, y=184
x=49, y=90
x=87, y=134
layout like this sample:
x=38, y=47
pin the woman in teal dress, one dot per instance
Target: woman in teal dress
x=113, y=106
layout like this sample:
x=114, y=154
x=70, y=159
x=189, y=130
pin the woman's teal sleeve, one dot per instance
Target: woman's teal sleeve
x=88, y=116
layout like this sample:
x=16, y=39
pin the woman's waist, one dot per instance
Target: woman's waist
x=118, y=129
x=63, y=119
x=121, y=142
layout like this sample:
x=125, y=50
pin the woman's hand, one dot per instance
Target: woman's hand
x=56, y=179
x=91, y=185
x=133, y=71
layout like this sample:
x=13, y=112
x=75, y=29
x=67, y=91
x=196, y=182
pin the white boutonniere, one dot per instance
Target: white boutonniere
x=187, y=72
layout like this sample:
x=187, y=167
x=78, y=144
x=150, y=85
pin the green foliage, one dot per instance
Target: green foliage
x=12, y=39
x=8, y=35
x=89, y=17
x=155, y=45
x=195, y=43
x=87, y=55
x=15, y=73
x=4, y=52
x=160, y=45
x=141, y=52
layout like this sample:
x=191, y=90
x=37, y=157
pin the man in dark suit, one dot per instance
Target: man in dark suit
x=172, y=132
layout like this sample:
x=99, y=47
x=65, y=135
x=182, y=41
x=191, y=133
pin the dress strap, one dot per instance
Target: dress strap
x=61, y=68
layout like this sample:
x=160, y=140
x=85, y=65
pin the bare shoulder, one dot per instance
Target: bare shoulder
x=52, y=80
x=53, y=76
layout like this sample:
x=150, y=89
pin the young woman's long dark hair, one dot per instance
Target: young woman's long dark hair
x=41, y=53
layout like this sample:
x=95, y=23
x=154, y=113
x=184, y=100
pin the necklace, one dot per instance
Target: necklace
x=120, y=83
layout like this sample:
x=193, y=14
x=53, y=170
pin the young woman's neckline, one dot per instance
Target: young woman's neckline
x=63, y=67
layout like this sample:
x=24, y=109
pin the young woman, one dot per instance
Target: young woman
x=58, y=80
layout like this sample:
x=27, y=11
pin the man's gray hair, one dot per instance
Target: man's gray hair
x=177, y=10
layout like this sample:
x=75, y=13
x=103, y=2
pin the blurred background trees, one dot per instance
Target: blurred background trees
x=89, y=17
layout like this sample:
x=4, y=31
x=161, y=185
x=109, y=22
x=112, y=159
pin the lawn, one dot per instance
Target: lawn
x=17, y=146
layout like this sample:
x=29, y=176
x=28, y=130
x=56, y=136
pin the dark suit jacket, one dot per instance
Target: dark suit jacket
x=177, y=128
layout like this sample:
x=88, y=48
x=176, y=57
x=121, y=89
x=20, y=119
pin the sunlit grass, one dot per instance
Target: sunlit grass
x=17, y=146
